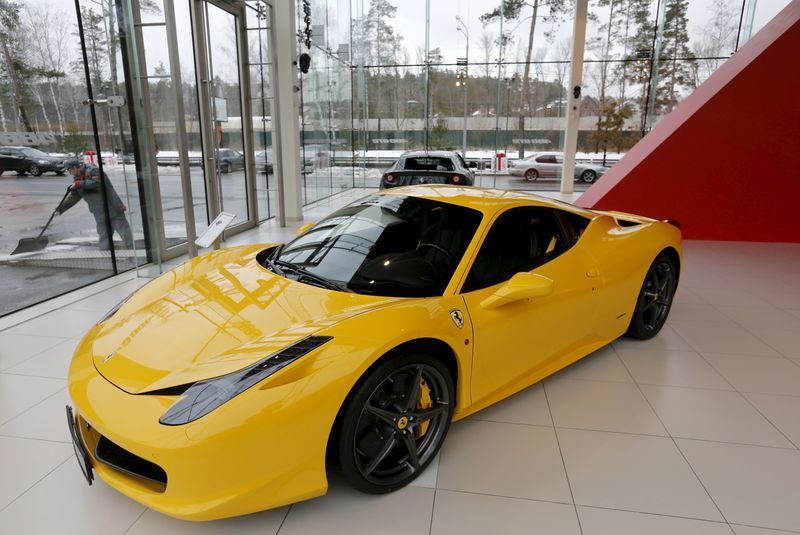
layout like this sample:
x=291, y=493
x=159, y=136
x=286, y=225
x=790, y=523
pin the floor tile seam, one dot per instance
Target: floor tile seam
x=698, y=350
x=4, y=422
x=742, y=394
x=433, y=509
x=730, y=443
x=26, y=491
x=135, y=521
x=579, y=504
x=665, y=515
x=17, y=374
x=504, y=496
x=37, y=439
x=551, y=379
x=675, y=443
x=48, y=348
x=776, y=530
x=285, y=517
x=129, y=277
x=753, y=333
x=563, y=461
x=686, y=387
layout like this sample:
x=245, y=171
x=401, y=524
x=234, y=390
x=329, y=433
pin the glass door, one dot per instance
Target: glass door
x=227, y=156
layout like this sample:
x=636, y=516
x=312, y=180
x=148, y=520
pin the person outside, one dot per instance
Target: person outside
x=86, y=185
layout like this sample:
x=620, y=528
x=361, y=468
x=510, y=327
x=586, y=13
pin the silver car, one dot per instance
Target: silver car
x=549, y=165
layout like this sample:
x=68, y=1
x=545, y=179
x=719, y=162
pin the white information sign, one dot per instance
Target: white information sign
x=220, y=223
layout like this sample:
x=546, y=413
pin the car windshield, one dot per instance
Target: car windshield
x=389, y=245
x=34, y=153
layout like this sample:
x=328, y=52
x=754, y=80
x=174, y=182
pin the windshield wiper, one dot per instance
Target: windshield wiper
x=303, y=273
x=270, y=263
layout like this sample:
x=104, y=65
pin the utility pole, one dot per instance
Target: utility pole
x=463, y=78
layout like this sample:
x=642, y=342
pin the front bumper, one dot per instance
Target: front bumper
x=233, y=461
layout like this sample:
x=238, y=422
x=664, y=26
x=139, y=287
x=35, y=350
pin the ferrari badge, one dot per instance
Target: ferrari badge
x=458, y=317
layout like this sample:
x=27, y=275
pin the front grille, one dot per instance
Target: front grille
x=119, y=458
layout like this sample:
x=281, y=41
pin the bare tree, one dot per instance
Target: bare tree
x=48, y=39
x=717, y=38
x=487, y=45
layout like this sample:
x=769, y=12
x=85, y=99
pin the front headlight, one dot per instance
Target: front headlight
x=205, y=396
x=42, y=161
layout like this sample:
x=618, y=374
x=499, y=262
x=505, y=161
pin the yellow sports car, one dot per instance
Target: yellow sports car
x=235, y=382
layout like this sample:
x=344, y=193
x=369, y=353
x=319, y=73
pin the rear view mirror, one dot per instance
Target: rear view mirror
x=520, y=286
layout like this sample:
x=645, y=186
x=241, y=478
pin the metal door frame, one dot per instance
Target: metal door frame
x=207, y=131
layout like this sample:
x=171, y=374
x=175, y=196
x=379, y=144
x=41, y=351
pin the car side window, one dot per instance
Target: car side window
x=519, y=240
x=547, y=158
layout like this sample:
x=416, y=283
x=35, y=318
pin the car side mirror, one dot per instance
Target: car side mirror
x=305, y=228
x=521, y=286
x=473, y=165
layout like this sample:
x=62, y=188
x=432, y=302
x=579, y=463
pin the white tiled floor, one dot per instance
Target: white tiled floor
x=694, y=432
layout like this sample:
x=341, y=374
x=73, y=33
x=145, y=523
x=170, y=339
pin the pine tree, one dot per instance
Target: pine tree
x=676, y=59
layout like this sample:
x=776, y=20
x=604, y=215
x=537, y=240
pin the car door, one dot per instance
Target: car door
x=520, y=338
x=546, y=164
x=11, y=160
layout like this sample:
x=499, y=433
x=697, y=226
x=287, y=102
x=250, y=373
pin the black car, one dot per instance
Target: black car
x=428, y=167
x=29, y=160
x=230, y=160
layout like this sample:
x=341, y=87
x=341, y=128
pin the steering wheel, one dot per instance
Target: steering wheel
x=439, y=248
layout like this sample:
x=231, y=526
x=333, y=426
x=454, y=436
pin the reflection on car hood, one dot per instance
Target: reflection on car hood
x=213, y=315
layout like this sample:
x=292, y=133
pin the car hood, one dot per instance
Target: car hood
x=214, y=315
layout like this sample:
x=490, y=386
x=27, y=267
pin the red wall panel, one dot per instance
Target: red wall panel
x=726, y=162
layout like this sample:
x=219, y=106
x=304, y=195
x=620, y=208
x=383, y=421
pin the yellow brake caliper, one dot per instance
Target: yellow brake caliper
x=424, y=402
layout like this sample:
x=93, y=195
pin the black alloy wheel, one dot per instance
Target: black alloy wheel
x=531, y=175
x=588, y=176
x=395, y=423
x=225, y=167
x=35, y=170
x=655, y=299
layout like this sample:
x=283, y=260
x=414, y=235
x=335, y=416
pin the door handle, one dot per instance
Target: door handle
x=593, y=272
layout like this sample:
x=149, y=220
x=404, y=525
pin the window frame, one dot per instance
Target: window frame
x=567, y=234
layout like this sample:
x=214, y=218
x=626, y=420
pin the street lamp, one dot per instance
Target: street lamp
x=462, y=78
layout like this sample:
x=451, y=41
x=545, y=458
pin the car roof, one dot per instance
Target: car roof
x=486, y=200
x=427, y=153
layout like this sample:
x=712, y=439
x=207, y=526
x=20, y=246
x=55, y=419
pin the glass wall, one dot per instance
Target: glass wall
x=326, y=101
x=473, y=76
x=47, y=80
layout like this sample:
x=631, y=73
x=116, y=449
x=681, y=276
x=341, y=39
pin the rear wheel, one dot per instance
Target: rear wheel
x=588, y=176
x=35, y=170
x=395, y=423
x=655, y=299
x=531, y=175
x=225, y=167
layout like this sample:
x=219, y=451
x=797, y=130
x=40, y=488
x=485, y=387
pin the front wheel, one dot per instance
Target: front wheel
x=531, y=175
x=655, y=299
x=588, y=176
x=395, y=423
x=225, y=168
x=35, y=170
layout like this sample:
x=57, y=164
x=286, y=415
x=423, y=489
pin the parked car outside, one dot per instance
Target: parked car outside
x=265, y=162
x=428, y=167
x=229, y=160
x=29, y=160
x=549, y=165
